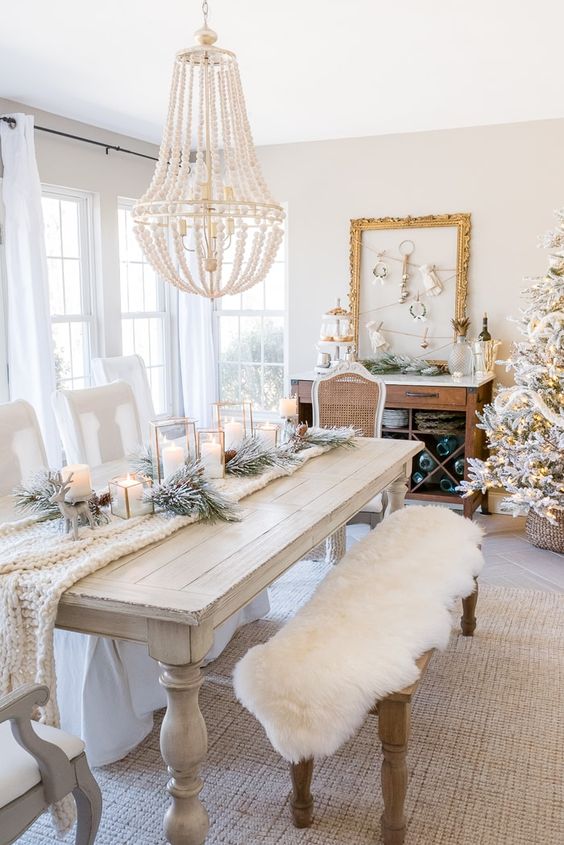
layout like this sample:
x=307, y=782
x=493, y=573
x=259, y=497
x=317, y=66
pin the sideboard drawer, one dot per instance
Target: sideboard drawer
x=421, y=397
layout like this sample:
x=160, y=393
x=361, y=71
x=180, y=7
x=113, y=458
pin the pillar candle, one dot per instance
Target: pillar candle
x=233, y=434
x=211, y=458
x=288, y=407
x=267, y=433
x=173, y=457
x=81, y=483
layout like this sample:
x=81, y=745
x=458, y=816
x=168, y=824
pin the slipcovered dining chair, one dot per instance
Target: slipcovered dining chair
x=350, y=395
x=98, y=424
x=40, y=765
x=131, y=369
x=21, y=446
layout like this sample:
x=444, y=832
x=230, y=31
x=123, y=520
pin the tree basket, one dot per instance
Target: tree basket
x=542, y=533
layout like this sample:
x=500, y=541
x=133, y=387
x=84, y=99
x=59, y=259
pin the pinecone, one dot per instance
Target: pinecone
x=301, y=429
x=229, y=455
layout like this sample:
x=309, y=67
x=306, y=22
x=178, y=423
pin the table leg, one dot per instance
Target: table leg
x=397, y=490
x=180, y=650
x=393, y=728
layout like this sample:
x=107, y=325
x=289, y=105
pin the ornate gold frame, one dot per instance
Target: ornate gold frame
x=363, y=224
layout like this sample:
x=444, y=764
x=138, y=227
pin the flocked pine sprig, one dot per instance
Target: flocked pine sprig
x=32, y=496
x=389, y=362
x=142, y=462
x=304, y=437
x=188, y=492
x=254, y=457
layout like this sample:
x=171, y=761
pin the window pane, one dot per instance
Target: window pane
x=229, y=303
x=253, y=299
x=69, y=221
x=273, y=387
x=150, y=286
x=56, y=287
x=250, y=339
x=51, y=220
x=274, y=340
x=229, y=338
x=274, y=288
x=73, y=293
x=157, y=382
x=251, y=384
x=136, y=298
x=127, y=337
x=156, y=338
x=229, y=385
x=62, y=346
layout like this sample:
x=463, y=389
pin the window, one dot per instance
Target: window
x=68, y=227
x=250, y=339
x=143, y=311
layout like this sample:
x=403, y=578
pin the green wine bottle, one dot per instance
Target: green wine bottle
x=484, y=334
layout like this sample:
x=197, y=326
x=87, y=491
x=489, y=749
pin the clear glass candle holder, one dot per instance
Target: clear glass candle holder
x=173, y=441
x=128, y=496
x=235, y=419
x=269, y=433
x=211, y=448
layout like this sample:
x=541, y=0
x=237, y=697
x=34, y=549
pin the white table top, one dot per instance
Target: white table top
x=409, y=378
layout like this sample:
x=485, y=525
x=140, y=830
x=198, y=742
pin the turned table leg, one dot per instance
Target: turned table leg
x=397, y=491
x=393, y=729
x=180, y=651
x=301, y=800
x=468, y=618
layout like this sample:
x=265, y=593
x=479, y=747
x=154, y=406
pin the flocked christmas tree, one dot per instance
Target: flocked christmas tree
x=525, y=423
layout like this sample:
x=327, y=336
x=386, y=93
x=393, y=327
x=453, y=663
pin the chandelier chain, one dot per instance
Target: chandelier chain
x=205, y=11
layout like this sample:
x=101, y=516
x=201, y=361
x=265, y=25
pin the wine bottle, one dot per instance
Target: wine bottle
x=484, y=334
x=426, y=462
x=418, y=477
x=447, y=485
x=446, y=445
x=459, y=467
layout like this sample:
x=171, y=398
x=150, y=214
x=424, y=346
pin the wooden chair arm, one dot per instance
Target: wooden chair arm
x=57, y=773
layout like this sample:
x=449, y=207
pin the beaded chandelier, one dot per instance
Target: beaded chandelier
x=208, y=196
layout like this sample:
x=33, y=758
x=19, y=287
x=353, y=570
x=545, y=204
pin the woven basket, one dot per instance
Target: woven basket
x=545, y=535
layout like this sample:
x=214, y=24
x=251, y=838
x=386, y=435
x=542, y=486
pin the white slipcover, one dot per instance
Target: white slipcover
x=131, y=369
x=21, y=446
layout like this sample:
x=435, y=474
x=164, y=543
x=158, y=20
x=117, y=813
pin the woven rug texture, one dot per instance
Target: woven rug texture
x=486, y=756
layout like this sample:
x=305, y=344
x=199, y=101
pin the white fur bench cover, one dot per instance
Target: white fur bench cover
x=358, y=638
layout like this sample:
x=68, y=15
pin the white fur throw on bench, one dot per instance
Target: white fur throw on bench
x=358, y=638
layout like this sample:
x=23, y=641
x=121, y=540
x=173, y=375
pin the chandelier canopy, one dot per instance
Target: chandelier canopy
x=207, y=222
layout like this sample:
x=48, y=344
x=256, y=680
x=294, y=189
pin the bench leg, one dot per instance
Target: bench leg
x=393, y=729
x=468, y=618
x=301, y=799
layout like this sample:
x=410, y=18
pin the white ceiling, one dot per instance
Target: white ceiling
x=311, y=69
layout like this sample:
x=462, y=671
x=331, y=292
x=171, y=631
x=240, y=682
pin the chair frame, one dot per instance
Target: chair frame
x=352, y=368
x=59, y=775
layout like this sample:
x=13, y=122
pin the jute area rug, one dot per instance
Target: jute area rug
x=486, y=757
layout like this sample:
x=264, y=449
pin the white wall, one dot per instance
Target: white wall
x=73, y=164
x=509, y=177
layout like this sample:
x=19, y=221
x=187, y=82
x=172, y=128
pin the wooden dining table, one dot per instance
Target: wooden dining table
x=172, y=594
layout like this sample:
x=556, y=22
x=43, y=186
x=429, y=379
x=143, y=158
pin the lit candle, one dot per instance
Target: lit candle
x=173, y=457
x=210, y=453
x=81, y=483
x=128, y=497
x=267, y=433
x=234, y=432
x=288, y=407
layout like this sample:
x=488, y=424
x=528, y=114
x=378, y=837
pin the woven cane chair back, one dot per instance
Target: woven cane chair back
x=349, y=395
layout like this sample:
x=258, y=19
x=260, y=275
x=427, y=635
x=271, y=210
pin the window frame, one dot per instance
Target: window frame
x=217, y=311
x=87, y=261
x=4, y=366
x=168, y=315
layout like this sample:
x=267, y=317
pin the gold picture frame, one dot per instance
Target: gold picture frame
x=359, y=226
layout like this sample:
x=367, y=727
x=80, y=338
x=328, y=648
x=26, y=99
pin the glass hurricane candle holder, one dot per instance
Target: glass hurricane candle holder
x=173, y=442
x=288, y=410
x=235, y=419
x=268, y=433
x=128, y=496
x=211, y=448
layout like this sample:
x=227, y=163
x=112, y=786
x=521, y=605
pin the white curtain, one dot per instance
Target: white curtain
x=198, y=372
x=30, y=359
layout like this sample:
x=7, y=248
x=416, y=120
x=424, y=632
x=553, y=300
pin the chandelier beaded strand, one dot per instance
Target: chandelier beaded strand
x=208, y=195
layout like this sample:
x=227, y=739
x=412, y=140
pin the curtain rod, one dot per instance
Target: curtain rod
x=11, y=121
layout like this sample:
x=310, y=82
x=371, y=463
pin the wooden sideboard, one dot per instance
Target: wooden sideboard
x=417, y=394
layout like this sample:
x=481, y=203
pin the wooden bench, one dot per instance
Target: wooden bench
x=394, y=727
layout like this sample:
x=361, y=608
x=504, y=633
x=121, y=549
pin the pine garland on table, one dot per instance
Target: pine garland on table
x=142, y=462
x=254, y=457
x=303, y=437
x=189, y=493
x=32, y=497
x=389, y=362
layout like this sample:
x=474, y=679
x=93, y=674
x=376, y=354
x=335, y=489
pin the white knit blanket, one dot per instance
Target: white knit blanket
x=38, y=563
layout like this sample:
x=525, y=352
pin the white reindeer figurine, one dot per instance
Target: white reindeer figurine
x=70, y=511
